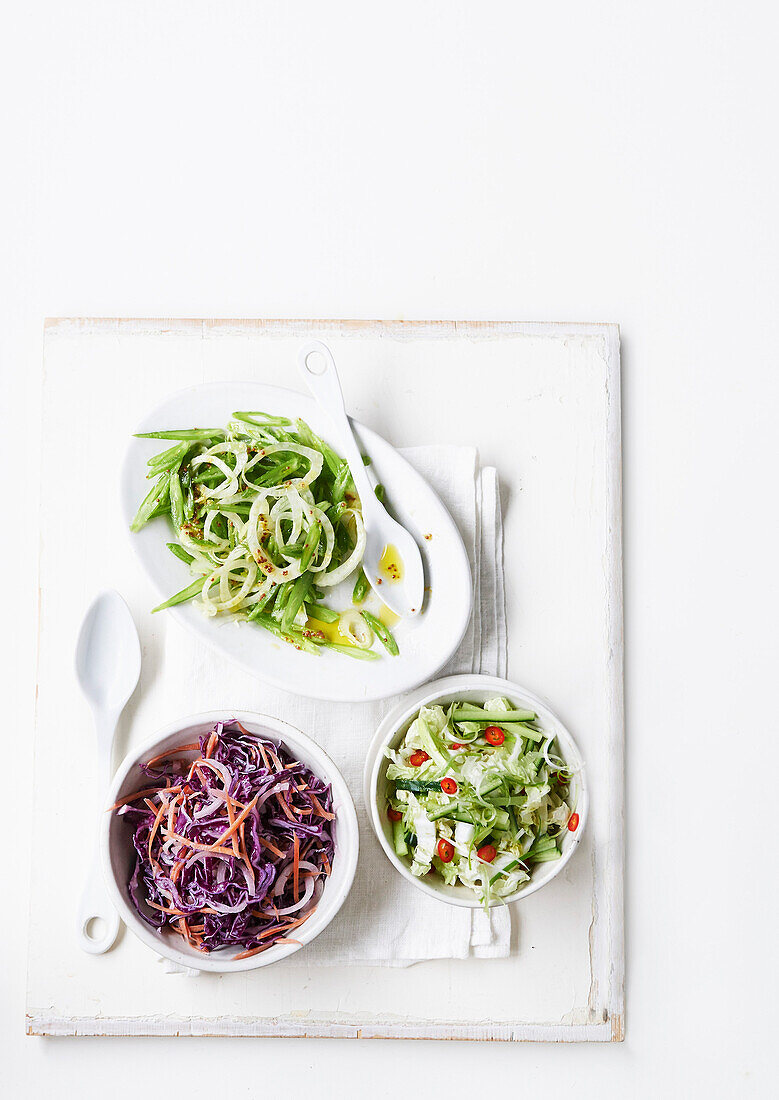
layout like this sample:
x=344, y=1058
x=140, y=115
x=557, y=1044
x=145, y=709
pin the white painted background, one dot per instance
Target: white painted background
x=599, y=161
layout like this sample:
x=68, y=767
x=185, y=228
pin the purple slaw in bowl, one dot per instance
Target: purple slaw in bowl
x=233, y=841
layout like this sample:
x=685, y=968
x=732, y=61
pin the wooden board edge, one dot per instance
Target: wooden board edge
x=615, y=1004
x=45, y=1025
x=393, y=328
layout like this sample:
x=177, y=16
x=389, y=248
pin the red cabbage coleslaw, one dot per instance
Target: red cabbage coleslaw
x=233, y=841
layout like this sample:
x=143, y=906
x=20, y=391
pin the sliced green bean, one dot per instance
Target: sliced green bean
x=277, y=473
x=189, y=497
x=284, y=594
x=310, y=545
x=166, y=460
x=262, y=420
x=263, y=604
x=342, y=479
x=179, y=552
x=295, y=637
x=192, y=434
x=156, y=496
x=181, y=597
x=176, y=499
x=361, y=587
x=294, y=603
x=321, y=613
x=310, y=439
x=383, y=633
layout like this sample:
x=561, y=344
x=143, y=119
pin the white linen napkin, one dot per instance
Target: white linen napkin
x=385, y=921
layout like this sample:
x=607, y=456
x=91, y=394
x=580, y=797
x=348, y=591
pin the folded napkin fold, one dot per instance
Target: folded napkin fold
x=385, y=921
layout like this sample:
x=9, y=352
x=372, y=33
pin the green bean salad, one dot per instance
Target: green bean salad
x=266, y=517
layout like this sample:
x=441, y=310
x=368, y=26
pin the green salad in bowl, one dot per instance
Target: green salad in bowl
x=477, y=794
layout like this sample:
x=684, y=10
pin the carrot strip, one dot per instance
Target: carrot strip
x=284, y=806
x=155, y=827
x=211, y=745
x=287, y=927
x=271, y=847
x=236, y=805
x=254, y=951
x=241, y=817
x=275, y=760
x=162, y=909
x=172, y=752
x=326, y=862
x=295, y=867
x=211, y=849
x=320, y=808
x=208, y=764
x=245, y=856
x=140, y=794
x=271, y=932
x=231, y=821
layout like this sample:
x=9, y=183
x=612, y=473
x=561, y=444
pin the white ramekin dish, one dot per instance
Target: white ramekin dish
x=118, y=854
x=471, y=688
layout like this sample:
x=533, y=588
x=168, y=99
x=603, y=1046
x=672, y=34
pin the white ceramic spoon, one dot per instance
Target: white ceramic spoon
x=108, y=664
x=403, y=596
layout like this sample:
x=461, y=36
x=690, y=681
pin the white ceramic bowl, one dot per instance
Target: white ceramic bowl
x=472, y=689
x=118, y=855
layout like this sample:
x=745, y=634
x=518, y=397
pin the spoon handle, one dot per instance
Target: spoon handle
x=321, y=375
x=98, y=920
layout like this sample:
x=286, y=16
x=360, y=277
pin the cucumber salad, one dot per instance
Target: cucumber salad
x=266, y=517
x=477, y=795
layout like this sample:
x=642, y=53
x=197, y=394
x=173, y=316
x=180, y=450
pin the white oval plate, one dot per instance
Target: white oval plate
x=426, y=642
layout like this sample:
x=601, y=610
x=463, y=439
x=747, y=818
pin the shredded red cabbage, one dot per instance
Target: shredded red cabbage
x=233, y=842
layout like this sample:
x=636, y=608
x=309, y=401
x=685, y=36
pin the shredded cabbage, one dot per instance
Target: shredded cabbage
x=233, y=842
x=501, y=807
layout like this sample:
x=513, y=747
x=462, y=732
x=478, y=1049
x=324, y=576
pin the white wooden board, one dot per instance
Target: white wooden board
x=542, y=403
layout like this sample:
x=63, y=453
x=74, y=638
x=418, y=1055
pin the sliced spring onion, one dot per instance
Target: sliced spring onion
x=354, y=627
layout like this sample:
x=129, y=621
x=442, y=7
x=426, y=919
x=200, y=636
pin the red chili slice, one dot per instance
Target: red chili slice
x=448, y=786
x=418, y=758
x=487, y=853
x=393, y=815
x=457, y=745
x=494, y=735
x=573, y=822
x=445, y=851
